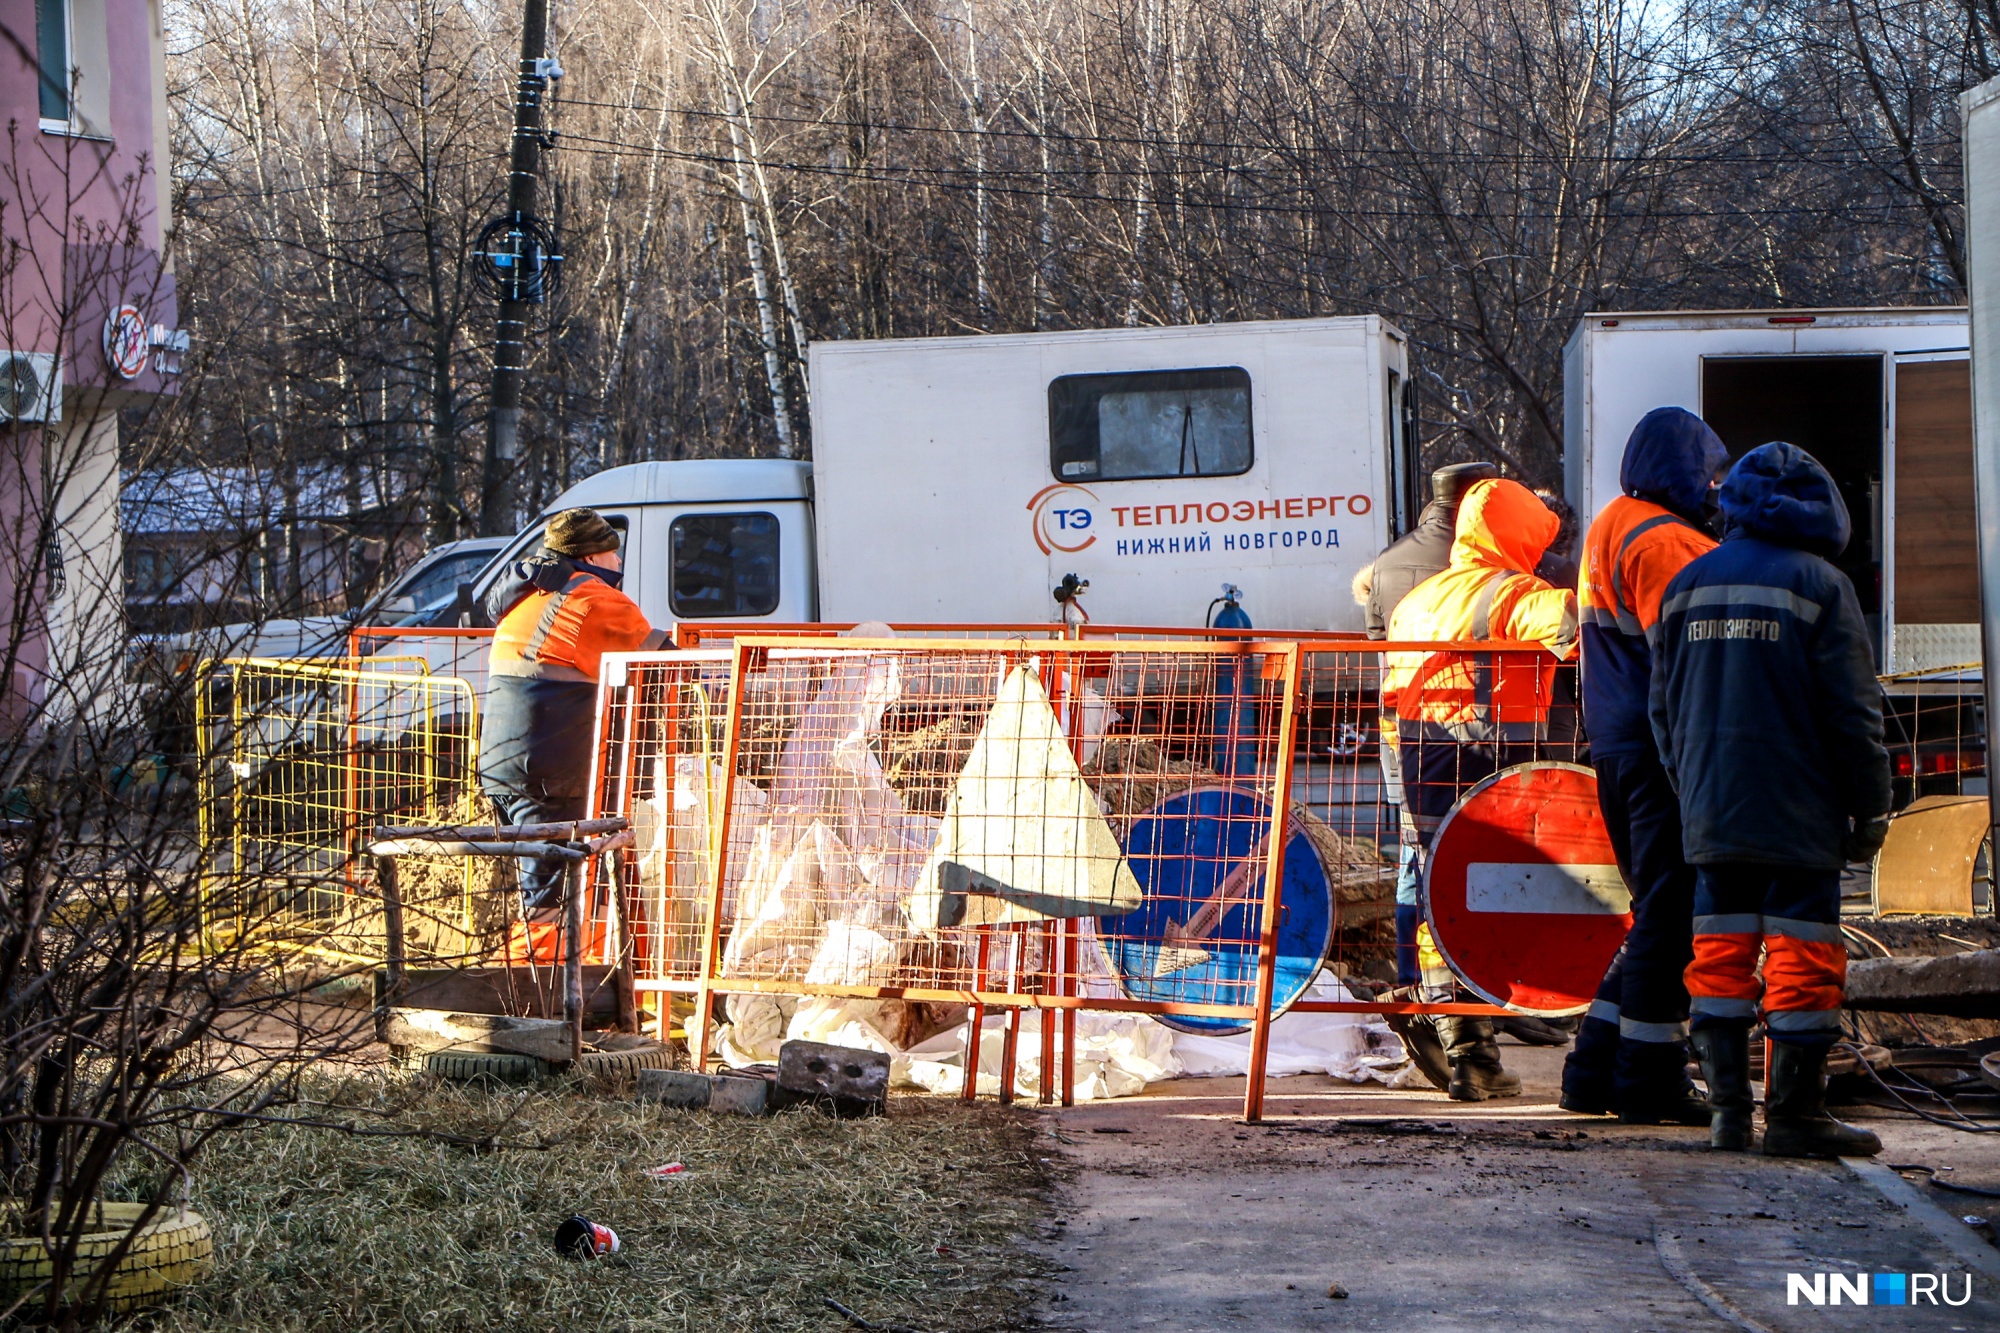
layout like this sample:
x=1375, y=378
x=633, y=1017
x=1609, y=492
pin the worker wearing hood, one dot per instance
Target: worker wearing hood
x=1415, y=556
x=1768, y=717
x=1485, y=593
x=1462, y=716
x=1631, y=1049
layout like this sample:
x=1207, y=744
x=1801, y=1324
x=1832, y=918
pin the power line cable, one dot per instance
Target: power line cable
x=904, y=127
x=907, y=176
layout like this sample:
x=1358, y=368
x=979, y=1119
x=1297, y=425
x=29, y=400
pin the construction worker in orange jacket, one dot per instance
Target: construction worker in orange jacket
x=557, y=613
x=1463, y=716
x=1631, y=1049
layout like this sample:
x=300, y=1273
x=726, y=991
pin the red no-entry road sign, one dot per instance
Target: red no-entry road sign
x=1522, y=890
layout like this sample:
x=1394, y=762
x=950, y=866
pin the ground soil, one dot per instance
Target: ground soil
x=1436, y=1215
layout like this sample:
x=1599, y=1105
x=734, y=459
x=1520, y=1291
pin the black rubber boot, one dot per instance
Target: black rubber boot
x=1588, y=1085
x=1420, y=1038
x=1724, y=1053
x=1653, y=1086
x=1795, y=1120
x=1476, y=1074
x=1686, y=1107
x=1577, y=1104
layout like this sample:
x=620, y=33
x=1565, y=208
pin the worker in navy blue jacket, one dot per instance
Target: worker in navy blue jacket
x=1768, y=717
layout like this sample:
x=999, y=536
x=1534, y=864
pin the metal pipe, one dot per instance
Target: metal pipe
x=573, y=957
x=1274, y=878
x=395, y=946
x=567, y=831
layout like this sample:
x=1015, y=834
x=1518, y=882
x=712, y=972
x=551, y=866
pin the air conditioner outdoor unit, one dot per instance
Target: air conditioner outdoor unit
x=30, y=387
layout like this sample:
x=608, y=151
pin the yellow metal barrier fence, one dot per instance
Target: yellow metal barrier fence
x=298, y=761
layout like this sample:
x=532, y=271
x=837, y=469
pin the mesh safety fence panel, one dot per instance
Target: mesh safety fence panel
x=663, y=734
x=298, y=761
x=974, y=819
x=460, y=653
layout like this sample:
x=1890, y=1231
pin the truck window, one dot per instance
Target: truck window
x=1136, y=425
x=725, y=565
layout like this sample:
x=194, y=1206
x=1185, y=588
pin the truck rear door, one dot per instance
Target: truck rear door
x=1933, y=518
x=1832, y=407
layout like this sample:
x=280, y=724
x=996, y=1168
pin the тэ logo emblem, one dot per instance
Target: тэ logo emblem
x=1062, y=518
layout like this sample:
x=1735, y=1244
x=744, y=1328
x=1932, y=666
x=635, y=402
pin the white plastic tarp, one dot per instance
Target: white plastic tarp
x=1355, y=1047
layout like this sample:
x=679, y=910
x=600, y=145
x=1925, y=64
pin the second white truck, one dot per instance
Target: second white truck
x=1881, y=397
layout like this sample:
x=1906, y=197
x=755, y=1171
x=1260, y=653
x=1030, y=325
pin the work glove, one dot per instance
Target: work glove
x=1864, y=840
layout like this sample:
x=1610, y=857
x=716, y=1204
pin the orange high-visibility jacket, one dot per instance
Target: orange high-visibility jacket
x=563, y=635
x=1486, y=593
x=1633, y=550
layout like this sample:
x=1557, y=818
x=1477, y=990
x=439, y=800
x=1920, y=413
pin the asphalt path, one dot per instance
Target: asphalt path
x=1507, y=1215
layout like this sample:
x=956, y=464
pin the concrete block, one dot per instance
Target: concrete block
x=854, y=1081
x=1965, y=985
x=675, y=1087
x=740, y=1094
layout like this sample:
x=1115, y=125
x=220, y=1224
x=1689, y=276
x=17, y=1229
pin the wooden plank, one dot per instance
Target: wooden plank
x=1937, y=554
x=496, y=990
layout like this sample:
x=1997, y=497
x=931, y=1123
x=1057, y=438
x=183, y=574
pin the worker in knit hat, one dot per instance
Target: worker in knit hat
x=557, y=613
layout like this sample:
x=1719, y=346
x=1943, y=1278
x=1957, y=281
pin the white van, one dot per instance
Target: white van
x=962, y=479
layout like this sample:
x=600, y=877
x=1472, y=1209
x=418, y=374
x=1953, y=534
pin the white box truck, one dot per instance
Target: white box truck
x=961, y=480
x=1881, y=397
x=1981, y=110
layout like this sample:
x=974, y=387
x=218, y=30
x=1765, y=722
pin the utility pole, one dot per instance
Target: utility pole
x=519, y=256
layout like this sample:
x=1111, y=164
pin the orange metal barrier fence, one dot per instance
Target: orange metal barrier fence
x=720, y=633
x=1187, y=829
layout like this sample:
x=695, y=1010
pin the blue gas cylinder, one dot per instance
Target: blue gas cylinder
x=1235, y=750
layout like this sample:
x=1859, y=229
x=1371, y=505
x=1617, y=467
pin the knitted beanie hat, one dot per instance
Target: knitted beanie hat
x=580, y=532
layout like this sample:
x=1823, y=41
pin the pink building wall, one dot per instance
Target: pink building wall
x=90, y=214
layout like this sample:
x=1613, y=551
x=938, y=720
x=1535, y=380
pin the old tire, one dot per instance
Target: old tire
x=621, y=1065
x=492, y=1067
x=170, y=1252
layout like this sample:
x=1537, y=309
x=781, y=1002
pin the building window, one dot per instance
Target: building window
x=1147, y=424
x=74, y=53
x=52, y=47
x=725, y=565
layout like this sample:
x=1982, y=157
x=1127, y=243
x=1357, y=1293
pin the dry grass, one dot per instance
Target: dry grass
x=915, y=1219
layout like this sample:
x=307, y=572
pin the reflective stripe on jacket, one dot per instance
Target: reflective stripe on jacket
x=1502, y=530
x=563, y=635
x=1633, y=550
